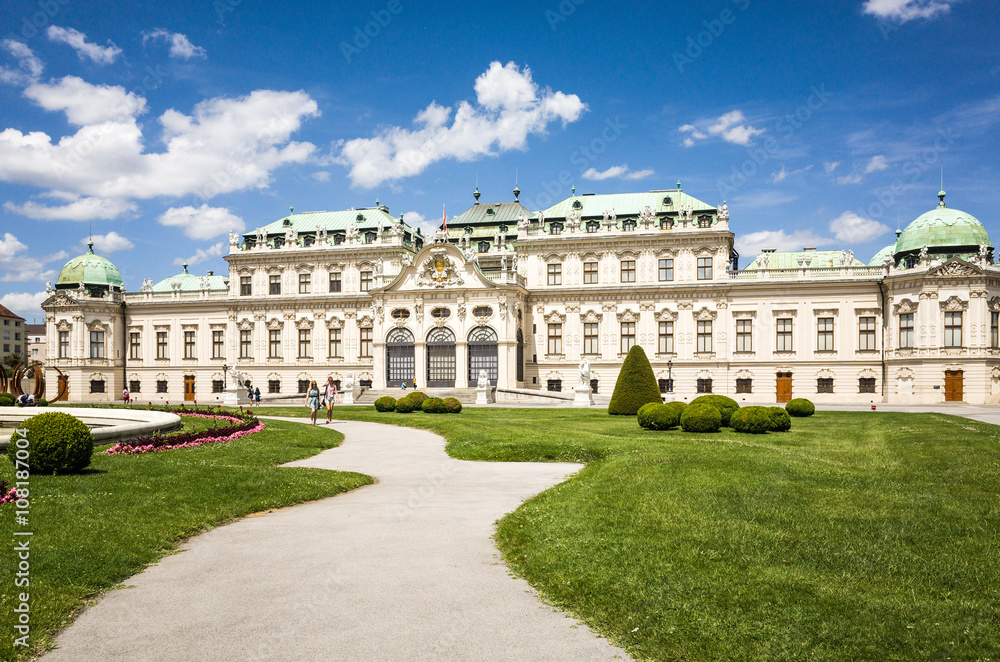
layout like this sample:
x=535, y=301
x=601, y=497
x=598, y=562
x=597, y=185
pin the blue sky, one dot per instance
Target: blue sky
x=166, y=125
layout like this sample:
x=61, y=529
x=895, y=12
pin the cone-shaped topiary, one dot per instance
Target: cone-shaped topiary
x=780, y=420
x=385, y=403
x=636, y=385
x=701, y=418
x=57, y=443
x=726, y=406
x=800, y=407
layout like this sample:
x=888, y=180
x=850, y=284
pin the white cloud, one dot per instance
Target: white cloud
x=25, y=304
x=85, y=103
x=750, y=245
x=850, y=228
x=78, y=42
x=417, y=220
x=830, y=166
x=853, y=178
x=321, y=176
x=180, y=46
x=509, y=107
x=202, y=222
x=79, y=209
x=784, y=174
x=203, y=254
x=15, y=266
x=731, y=127
x=876, y=164
x=29, y=67
x=107, y=243
x=907, y=10
x=616, y=172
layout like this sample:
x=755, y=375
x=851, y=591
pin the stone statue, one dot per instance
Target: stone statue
x=237, y=374
x=984, y=255
x=260, y=239
x=380, y=229
x=484, y=380
x=321, y=236
x=610, y=218
x=496, y=240
x=48, y=287
x=522, y=223
x=147, y=285
x=352, y=234
x=234, y=239
x=923, y=253
x=647, y=218
x=584, y=372
x=80, y=288
x=763, y=260
x=205, y=283
x=723, y=212
x=291, y=237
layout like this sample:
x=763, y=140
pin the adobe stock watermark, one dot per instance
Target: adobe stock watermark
x=563, y=11
x=22, y=540
x=31, y=25
x=223, y=7
x=697, y=45
x=362, y=37
x=785, y=128
x=417, y=498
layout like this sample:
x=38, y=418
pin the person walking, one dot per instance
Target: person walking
x=125, y=396
x=312, y=400
x=329, y=397
x=256, y=396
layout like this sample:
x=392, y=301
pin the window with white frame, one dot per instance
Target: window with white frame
x=906, y=331
x=783, y=334
x=866, y=334
x=744, y=335
x=953, y=329
x=591, y=336
x=704, y=336
x=627, y=337
x=665, y=337
x=824, y=334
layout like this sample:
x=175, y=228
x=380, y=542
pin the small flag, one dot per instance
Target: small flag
x=444, y=223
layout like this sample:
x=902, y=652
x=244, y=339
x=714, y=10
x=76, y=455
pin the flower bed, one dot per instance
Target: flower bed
x=7, y=494
x=243, y=424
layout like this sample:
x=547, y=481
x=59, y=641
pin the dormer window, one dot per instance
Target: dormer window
x=338, y=238
x=484, y=247
x=704, y=221
x=287, y=222
x=360, y=218
x=577, y=204
x=489, y=211
x=308, y=240
x=593, y=226
x=503, y=229
x=555, y=228
x=628, y=225
x=369, y=237
x=468, y=229
x=666, y=223
x=668, y=201
x=279, y=242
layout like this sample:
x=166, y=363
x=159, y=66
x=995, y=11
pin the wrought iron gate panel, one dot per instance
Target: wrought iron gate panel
x=400, y=365
x=441, y=359
x=483, y=354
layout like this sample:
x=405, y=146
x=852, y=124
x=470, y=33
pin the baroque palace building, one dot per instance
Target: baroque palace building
x=525, y=295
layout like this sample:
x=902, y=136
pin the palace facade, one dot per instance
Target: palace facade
x=525, y=294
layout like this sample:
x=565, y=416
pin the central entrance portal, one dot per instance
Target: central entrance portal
x=400, y=366
x=441, y=358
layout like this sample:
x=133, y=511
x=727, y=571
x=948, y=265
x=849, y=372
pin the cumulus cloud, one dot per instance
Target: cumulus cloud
x=616, y=172
x=850, y=228
x=907, y=10
x=202, y=222
x=830, y=166
x=203, y=254
x=876, y=164
x=751, y=244
x=86, y=104
x=731, y=127
x=321, y=176
x=29, y=68
x=25, y=304
x=180, y=46
x=107, y=243
x=417, y=220
x=17, y=266
x=78, y=209
x=509, y=107
x=84, y=49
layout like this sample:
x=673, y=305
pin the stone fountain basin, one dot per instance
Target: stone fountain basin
x=107, y=426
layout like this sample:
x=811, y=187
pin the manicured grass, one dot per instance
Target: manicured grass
x=94, y=530
x=855, y=536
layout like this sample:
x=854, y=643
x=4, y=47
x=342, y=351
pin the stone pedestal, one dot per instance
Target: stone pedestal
x=483, y=394
x=235, y=396
x=584, y=396
x=347, y=397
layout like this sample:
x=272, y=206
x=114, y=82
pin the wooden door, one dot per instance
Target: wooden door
x=953, y=386
x=188, y=388
x=784, y=387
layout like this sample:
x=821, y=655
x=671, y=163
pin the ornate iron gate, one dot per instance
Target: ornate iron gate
x=482, y=354
x=441, y=358
x=399, y=362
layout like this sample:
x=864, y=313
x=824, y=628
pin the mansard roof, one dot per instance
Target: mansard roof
x=365, y=218
x=627, y=204
x=811, y=259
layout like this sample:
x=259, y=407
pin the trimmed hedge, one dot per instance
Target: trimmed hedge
x=800, y=407
x=406, y=405
x=780, y=420
x=57, y=443
x=658, y=417
x=679, y=405
x=701, y=418
x=41, y=402
x=434, y=406
x=452, y=406
x=751, y=420
x=726, y=406
x=6, y=400
x=418, y=398
x=385, y=403
x=636, y=385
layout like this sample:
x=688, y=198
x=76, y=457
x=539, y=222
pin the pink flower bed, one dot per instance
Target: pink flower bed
x=5, y=496
x=242, y=426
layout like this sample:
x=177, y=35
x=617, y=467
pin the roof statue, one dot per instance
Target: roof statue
x=522, y=222
x=647, y=218
x=610, y=219
x=763, y=259
x=234, y=239
x=723, y=211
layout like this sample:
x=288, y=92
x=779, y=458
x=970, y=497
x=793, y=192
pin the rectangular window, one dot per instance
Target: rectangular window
x=335, y=283
x=704, y=268
x=824, y=334
x=591, y=344
x=666, y=270
x=305, y=283
x=628, y=271
x=274, y=386
x=246, y=286
x=906, y=331
x=627, y=337
x=744, y=336
x=704, y=386
x=64, y=344
x=246, y=343
x=665, y=338
x=97, y=386
x=590, y=273
x=336, y=345
x=866, y=385
x=366, y=281
x=366, y=342
x=161, y=386
x=744, y=386
x=274, y=344
x=133, y=386
x=555, y=385
x=134, y=346
x=555, y=339
x=303, y=386
x=274, y=284
x=189, y=352
x=783, y=337
x=218, y=344
x=217, y=386
x=97, y=347
x=866, y=334
x=824, y=385
x=305, y=343
x=666, y=385
x=554, y=274
x=953, y=329
x=705, y=337
x=994, y=330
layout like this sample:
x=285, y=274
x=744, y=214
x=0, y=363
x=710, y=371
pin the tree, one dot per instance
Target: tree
x=636, y=385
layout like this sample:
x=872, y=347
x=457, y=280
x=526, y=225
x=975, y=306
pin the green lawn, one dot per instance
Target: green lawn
x=94, y=530
x=856, y=536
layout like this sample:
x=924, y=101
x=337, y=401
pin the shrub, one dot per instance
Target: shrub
x=659, y=417
x=726, y=406
x=406, y=405
x=751, y=420
x=418, y=398
x=636, y=385
x=385, y=403
x=779, y=418
x=643, y=415
x=6, y=400
x=452, y=406
x=434, y=406
x=57, y=443
x=701, y=418
x=800, y=407
x=42, y=402
x=679, y=405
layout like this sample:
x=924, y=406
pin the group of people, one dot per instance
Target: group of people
x=253, y=395
x=26, y=400
x=326, y=397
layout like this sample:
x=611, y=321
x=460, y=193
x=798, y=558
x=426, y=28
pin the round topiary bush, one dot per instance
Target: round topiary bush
x=658, y=417
x=679, y=405
x=701, y=418
x=385, y=403
x=6, y=400
x=642, y=416
x=57, y=444
x=779, y=418
x=751, y=420
x=418, y=398
x=726, y=406
x=406, y=405
x=636, y=385
x=800, y=407
x=42, y=402
x=452, y=406
x=434, y=406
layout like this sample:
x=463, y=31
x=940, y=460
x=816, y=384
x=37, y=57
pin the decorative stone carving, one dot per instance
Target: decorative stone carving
x=439, y=270
x=628, y=316
x=955, y=267
x=147, y=285
x=555, y=318
x=723, y=212
x=705, y=314
x=953, y=304
x=647, y=218
x=610, y=219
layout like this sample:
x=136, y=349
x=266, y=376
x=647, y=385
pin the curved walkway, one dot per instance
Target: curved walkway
x=401, y=570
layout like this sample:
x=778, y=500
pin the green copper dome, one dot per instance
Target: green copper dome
x=89, y=269
x=943, y=228
x=880, y=256
x=188, y=282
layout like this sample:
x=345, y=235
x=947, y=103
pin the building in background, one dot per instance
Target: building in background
x=13, y=335
x=35, y=346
